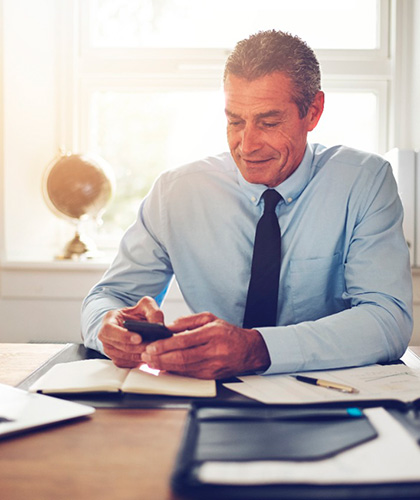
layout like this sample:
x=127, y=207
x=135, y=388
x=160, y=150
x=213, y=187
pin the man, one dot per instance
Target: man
x=344, y=291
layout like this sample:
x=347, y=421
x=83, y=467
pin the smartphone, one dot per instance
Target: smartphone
x=148, y=331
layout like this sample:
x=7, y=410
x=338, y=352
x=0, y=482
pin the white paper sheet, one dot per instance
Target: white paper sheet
x=374, y=382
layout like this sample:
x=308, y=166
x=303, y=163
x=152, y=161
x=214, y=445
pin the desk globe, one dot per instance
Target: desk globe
x=78, y=188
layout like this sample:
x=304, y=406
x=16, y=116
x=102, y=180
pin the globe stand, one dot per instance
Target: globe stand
x=79, y=248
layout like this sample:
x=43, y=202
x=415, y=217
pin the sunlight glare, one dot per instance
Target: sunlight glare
x=146, y=369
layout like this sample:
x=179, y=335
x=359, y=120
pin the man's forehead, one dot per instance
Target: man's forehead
x=271, y=113
x=268, y=94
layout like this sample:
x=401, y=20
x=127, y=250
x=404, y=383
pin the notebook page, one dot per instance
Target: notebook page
x=147, y=381
x=88, y=375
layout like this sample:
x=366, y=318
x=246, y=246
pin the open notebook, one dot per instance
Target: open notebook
x=21, y=410
x=101, y=375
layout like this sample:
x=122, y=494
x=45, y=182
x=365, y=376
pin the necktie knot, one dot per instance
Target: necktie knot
x=271, y=199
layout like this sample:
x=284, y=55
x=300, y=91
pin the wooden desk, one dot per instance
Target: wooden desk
x=116, y=454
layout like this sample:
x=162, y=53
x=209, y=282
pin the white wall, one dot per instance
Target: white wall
x=414, y=136
x=410, y=125
x=414, y=80
x=41, y=300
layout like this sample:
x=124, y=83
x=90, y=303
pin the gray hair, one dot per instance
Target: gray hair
x=269, y=51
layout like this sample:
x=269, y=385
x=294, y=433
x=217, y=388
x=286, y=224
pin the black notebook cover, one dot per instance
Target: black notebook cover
x=229, y=432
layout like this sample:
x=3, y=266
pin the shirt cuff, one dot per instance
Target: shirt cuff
x=283, y=348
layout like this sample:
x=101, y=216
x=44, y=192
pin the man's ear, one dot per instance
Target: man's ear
x=315, y=110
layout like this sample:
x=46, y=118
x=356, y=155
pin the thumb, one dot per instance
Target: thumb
x=145, y=309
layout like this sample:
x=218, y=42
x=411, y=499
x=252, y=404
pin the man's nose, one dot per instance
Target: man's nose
x=251, y=140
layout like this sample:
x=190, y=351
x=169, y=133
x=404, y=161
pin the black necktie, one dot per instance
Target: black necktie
x=261, y=302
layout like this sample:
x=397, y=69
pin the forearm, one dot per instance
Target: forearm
x=141, y=268
x=362, y=335
x=94, y=308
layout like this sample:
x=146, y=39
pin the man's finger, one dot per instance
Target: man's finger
x=179, y=360
x=187, y=340
x=115, y=353
x=191, y=322
x=114, y=333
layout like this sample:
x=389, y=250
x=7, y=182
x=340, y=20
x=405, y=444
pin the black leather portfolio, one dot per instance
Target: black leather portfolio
x=227, y=432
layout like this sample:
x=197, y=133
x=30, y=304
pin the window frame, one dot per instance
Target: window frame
x=144, y=69
x=122, y=69
x=75, y=78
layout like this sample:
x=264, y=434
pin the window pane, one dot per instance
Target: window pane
x=141, y=134
x=343, y=122
x=324, y=24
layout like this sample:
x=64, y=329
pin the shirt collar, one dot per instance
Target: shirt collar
x=290, y=189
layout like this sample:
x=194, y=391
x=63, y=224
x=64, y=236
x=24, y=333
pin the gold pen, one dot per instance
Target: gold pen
x=326, y=384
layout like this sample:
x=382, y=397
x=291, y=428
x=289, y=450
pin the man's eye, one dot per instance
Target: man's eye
x=270, y=124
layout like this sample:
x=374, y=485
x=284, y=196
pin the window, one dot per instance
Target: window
x=150, y=72
x=139, y=82
x=142, y=133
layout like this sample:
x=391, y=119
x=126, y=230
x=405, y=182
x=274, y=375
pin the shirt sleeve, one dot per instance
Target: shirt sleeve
x=141, y=267
x=378, y=325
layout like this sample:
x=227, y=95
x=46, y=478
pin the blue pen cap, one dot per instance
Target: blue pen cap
x=355, y=412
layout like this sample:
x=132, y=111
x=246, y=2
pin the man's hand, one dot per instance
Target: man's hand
x=125, y=348
x=209, y=348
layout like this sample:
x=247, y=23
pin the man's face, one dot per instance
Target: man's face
x=266, y=137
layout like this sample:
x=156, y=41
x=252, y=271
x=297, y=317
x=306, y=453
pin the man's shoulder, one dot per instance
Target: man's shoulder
x=218, y=164
x=189, y=187
x=346, y=157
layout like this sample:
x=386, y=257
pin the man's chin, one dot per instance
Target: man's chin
x=257, y=178
x=256, y=172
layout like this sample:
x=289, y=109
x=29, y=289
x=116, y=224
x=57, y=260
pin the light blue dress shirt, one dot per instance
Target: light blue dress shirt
x=345, y=295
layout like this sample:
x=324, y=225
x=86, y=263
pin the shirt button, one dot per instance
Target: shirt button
x=289, y=200
x=253, y=198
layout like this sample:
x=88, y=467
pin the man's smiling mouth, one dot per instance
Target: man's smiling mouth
x=256, y=162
